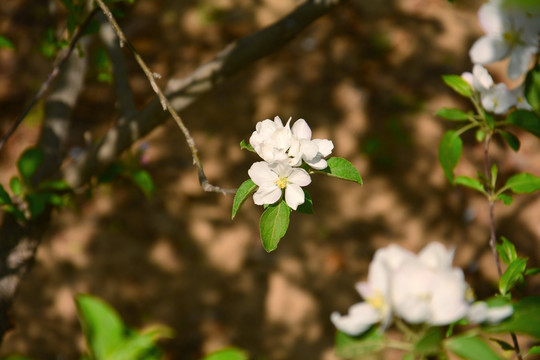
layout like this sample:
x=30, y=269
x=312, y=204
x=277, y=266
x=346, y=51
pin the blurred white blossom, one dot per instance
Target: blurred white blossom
x=495, y=98
x=480, y=312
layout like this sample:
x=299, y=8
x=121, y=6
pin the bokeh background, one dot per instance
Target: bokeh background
x=367, y=76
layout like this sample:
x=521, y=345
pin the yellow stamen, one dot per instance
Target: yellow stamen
x=281, y=182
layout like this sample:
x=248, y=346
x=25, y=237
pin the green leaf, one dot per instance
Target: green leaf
x=535, y=350
x=490, y=120
x=4, y=196
x=103, y=329
x=512, y=275
x=458, y=84
x=430, y=343
x=503, y=344
x=358, y=347
x=28, y=163
x=511, y=140
x=246, y=146
x=507, y=251
x=449, y=153
x=470, y=183
x=16, y=186
x=273, y=225
x=480, y=135
x=5, y=43
x=10, y=208
x=471, y=348
x=532, y=87
x=37, y=202
x=506, y=199
x=140, y=346
x=343, y=169
x=523, y=183
x=527, y=120
x=55, y=185
x=307, y=206
x=525, y=319
x=245, y=190
x=143, y=180
x=452, y=114
x=230, y=353
x=532, y=271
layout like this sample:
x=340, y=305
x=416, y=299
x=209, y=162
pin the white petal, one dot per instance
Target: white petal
x=468, y=77
x=482, y=81
x=520, y=58
x=477, y=312
x=496, y=314
x=325, y=146
x=498, y=99
x=277, y=121
x=360, y=318
x=317, y=163
x=492, y=19
x=294, y=196
x=267, y=195
x=308, y=149
x=436, y=256
x=301, y=129
x=488, y=49
x=299, y=177
x=261, y=173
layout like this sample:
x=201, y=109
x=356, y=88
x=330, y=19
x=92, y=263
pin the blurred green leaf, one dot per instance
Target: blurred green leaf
x=273, y=225
x=511, y=140
x=230, y=353
x=307, y=206
x=532, y=271
x=507, y=251
x=535, y=350
x=28, y=163
x=470, y=183
x=452, y=114
x=5, y=43
x=450, y=152
x=246, y=146
x=343, y=169
x=10, y=208
x=430, y=344
x=523, y=183
x=503, y=344
x=525, y=319
x=532, y=87
x=143, y=180
x=512, y=275
x=245, y=190
x=506, y=199
x=4, y=196
x=458, y=84
x=357, y=347
x=471, y=348
x=527, y=120
x=55, y=185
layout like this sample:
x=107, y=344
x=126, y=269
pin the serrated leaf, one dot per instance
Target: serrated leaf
x=4, y=196
x=227, y=354
x=470, y=183
x=273, y=225
x=449, y=153
x=143, y=180
x=307, y=206
x=506, y=199
x=245, y=190
x=452, y=114
x=507, y=251
x=103, y=329
x=5, y=43
x=343, y=169
x=246, y=146
x=523, y=183
x=527, y=120
x=525, y=319
x=430, y=343
x=28, y=163
x=512, y=275
x=471, y=348
x=458, y=84
x=511, y=140
x=357, y=347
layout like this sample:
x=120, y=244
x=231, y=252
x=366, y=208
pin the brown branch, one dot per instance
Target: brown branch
x=181, y=93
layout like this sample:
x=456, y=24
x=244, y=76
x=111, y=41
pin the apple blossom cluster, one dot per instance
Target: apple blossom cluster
x=511, y=32
x=284, y=149
x=422, y=288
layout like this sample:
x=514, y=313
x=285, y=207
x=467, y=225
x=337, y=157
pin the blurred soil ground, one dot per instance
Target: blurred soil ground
x=367, y=76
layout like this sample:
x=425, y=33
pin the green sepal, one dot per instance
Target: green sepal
x=246, y=146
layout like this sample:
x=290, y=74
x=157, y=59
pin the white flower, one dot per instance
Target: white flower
x=311, y=151
x=509, y=33
x=426, y=289
x=479, y=312
x=521, y=100
x=273, y=178
x=495, y=98
x=271, y=139
x=360, y=318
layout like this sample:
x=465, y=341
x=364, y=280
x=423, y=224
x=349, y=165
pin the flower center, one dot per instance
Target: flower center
x=281, y=182
x=513, y=38
x=377, y=301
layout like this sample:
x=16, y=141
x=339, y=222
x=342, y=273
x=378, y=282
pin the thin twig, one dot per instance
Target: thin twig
x=166, y=105
x=493, y=236
x=54, y=73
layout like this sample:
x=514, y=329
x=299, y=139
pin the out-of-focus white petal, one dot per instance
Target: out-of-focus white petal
x=267, y=194
x=468, y=77
x=498, y=99
x=448, y=303
x=301, y=130
x=488, y=49
x=294, y=196
x=261, y=173
x=520, y=58
x=325, y=146
x=521, y=100
x=360, y=318
x=497, y=314
x=299, y=177
x=479, y=312
x=481, y=81
x=492, y=19
x=436, y=256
